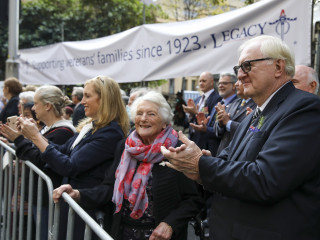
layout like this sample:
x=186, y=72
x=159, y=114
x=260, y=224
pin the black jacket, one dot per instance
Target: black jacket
x=26, y=150
x=11, y=109
x=175, y=197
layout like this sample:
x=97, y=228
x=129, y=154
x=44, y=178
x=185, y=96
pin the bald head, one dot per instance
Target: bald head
x=306, y=79
x=206, y=82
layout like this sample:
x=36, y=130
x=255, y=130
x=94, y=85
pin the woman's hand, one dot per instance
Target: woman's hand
x=162, y=232
x=2, y=139
x=73, y=193
x=9, y=132
x=28, y=127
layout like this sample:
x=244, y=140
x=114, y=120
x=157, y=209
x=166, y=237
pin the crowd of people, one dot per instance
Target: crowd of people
x=250, y=165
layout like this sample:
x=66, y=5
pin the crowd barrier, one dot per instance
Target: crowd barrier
x=16, y=223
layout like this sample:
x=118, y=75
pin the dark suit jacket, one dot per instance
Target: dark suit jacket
x=175, y=198
x=11, y=109
x=78, y=114
x=84, y=166
x=213, y=142
x=236, y=115
x=200, y=137
x=268, y=181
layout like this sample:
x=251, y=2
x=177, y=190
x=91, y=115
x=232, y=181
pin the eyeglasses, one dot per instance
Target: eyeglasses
x=224, y=83
x=246, y=65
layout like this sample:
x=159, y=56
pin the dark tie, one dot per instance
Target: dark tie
x=201, y=103
x=255, y=115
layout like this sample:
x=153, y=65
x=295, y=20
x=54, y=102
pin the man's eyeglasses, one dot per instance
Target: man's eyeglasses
x=224, y=83
x=246, y=65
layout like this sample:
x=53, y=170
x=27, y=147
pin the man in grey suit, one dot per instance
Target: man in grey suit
x=267, y=181
x=228, y=119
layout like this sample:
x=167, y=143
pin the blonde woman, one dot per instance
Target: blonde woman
x=83, y=159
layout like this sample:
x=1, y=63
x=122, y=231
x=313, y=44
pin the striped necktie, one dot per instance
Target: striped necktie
x=255, y=115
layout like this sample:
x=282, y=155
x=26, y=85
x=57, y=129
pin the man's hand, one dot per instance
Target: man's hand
x=73, y=193
x=184, y=158
x=249, y=110
x=201, y=118
x=206, y=153
x=191, y=107
x=222, y=116
x=200, y=128
x=162, y=232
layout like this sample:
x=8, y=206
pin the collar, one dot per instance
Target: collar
x=60, y=123
x=207, y=94
x=229, y=99
x=263, y=106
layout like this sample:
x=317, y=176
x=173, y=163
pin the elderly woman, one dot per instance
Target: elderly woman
x=11, y=90
x=25, y=97
x=83, y=159
x=151, y=201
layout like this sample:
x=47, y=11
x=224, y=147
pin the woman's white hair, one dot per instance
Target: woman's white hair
x=27, y=96
x=157, y=98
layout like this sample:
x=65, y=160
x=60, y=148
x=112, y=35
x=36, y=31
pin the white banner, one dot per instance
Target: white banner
x=160, y=51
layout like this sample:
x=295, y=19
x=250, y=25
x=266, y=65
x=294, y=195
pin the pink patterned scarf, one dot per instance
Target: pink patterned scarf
x=131, y=184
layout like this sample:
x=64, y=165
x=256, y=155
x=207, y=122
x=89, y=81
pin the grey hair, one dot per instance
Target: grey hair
x=54, y=96
x=139, y=91
x=157, y=98
x=233, y=77
x=275, y=48
x=78, y=92
x=313, y=76
x=27, y=96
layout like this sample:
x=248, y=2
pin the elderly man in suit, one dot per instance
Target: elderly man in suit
x=228, y=119
x=78, y=111
x=227, y=90
x=306, y=79
x=268, y=179
x=203, y=105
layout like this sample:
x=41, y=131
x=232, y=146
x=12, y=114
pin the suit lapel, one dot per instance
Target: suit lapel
x=243, y=109
x=239, y=142
x=233, y=107
x=242, y=138
x=213, y=111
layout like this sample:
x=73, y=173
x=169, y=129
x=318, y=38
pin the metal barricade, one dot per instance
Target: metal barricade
x=91, y=225
x=13, y=187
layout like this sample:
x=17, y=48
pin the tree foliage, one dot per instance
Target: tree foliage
x=247, y=2
x=44, y=22
x=191, y=9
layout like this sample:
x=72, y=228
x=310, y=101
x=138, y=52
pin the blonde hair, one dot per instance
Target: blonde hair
x=54, y=96
x=111, y=104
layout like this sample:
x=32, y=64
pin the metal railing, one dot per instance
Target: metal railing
x=13, y=187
